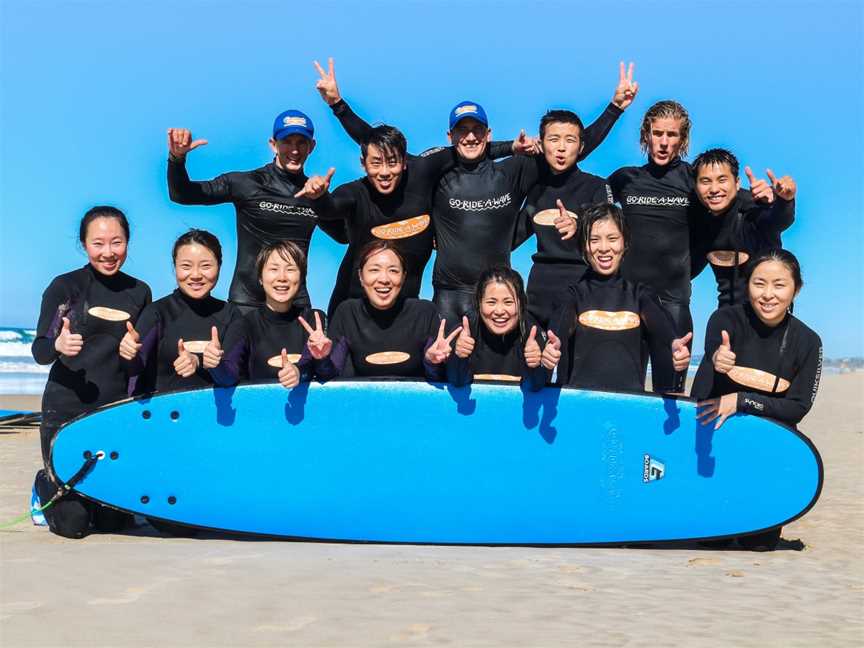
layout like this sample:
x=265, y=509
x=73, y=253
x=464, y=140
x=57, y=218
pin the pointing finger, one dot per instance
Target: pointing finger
x=441, y=329
x=750, y=175
x=329, y=175
x=621, y=76
x=630, y=72
x=330, y=64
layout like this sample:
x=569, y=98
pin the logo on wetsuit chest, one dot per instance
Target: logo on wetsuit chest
x=195, y=346
x=547, y=216
x=387, y=357
x=276, y=361
x=288, y=210
x=502, y=377
x=726, y=258
x=110, y=314
x=609, y=320
x=402, y=229
x=758, y=379
x=481, y=205
x=659, y=201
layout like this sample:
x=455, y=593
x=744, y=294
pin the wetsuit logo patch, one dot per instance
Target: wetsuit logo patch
x=402, y=229
x=652, y=469
x=288, y=210
x=110, y=314
x=501, y=377
x=659, y=201
x=609, y=320
x=387, y=357
x=276, y=361
x=195, y=346
x=757, y=379
x=481, y=205
x=547, y=216
x=726, y=258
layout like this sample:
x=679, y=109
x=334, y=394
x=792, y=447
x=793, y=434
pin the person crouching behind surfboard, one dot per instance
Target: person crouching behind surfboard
x=508, y=343
x=84, y=314
x=598, y=339
x=382, y=333
x=164, y=349
x=759, y=358
x=276, y=341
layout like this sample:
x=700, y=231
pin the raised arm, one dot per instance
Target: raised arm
x=625, y=93
x=181, y=189
x=355, y=126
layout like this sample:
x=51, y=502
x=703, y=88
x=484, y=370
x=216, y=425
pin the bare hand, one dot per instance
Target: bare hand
x=681, y=353
x=717, y=408
x=180, y=142
x=533, y=355
x=130, y=345
x=326, y=85
x=627, y=88
x=464, y=343
x=525, y=145
x=289, y=375
x=552, y=351
x=564, y=222
x=213, y=351
x=67, y=343
x=440, y=349
x=723, y=358
x=319, y=344
x=784, y=187
x=316, y=186
x=761, y=190
x=186, y=363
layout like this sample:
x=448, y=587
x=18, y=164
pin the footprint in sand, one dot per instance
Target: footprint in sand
x=413, y=631
x=735, y=573
x=569, y=569
x=693, y=562
x=292, y=626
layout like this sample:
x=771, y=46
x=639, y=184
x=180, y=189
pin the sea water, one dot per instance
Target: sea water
x=19, y=373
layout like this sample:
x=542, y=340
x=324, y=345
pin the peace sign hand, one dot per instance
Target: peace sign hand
x=761, y=190
x=440, y=349
x=180, y=142
x=289, y=374
x=316, y=186
x=627, y=88
x=533, y=355
x=464, y=343
x=326, y=85
x=724, y=359
x=552, y=351
x=318, y=343
x=784, y=187
x=564, y=222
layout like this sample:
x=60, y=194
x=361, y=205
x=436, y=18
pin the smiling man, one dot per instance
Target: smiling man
x=268, y=211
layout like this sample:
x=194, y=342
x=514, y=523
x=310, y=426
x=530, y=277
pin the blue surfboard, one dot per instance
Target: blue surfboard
x=407, y=461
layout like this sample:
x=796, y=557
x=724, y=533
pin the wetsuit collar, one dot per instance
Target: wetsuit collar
x=497, y=342
x=761, y=327
x=298, y=179
x=658, y=171
x=106, y=280
x=384, y=318
x=204, y=306
x=276, y=317
x=560, y=179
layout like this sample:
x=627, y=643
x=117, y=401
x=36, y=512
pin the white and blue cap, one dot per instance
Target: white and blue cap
x=292, y=122
x=468, y=109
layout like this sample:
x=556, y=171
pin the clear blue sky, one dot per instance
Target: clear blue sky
x=89, y=88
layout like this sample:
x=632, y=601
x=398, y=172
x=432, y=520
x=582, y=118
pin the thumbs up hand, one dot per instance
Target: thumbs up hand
x=552, y=351
x=186, y=363
x=723, y=358
x=130, y=345
x=464, y=343
x=289, y=375
x=213, y=351
x=67, y=343
x=681, y=353
x=533, y=355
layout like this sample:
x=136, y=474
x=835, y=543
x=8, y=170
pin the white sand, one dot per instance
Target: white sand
x=147, y=590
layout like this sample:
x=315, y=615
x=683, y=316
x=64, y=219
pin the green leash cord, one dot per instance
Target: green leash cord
x=21, y=519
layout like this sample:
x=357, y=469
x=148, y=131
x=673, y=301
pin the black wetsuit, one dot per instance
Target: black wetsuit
x=498, y=355
x=604, y=327
x=558, y=264
x=267, y=213
x=253, y=345
x=726, y=242
x=162, y=324
x=393, y=342
x=98, y=307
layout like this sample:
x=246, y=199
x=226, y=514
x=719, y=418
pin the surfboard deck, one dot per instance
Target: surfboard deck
x=407, y=461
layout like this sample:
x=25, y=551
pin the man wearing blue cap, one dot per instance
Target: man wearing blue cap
x=267, y=209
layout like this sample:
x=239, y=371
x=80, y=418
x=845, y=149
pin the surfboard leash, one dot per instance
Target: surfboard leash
x=62, y=490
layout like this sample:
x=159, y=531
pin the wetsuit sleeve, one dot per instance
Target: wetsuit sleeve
x=798, y=399
x=524, y=227
x=458, y=371
x=498, y=150
x=236, y=347
x=431, y=167
x=142, y=369
x=602, y=194
x=337, y=206
x=659, y=334
x=338, y=363
x=54, y=304
x=335, y=229
x=777, y=217
x=594, y=134
x=184, y=191
x=356, y=127
x=616, y=182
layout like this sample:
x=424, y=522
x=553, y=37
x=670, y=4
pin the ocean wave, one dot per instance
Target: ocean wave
x=21, y=365
x=14, y=349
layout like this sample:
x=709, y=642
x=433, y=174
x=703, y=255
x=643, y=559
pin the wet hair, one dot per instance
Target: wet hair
x=510, y=278
x=377, y=246
x=199, y=237
x=387, y=138
x=288, y=250
x=595, y=214
x=101, y=211
x=665, y=110
x=780, y=256
x=713, y=157
x=561, y=117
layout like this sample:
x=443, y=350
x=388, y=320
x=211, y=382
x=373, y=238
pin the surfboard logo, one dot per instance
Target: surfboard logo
x=609, y=320
x=276, y=361
x=758, y=379
x=547, y=217
x=652, y=469
x=503, y=377
x=110, y=314
x=402, y=229
x=387, y=357
x=726, y=258
x=195, y=346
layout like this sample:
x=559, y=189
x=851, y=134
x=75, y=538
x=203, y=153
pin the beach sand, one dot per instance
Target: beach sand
x=144, y=590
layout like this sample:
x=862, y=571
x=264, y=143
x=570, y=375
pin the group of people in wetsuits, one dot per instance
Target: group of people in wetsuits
x=609, y=287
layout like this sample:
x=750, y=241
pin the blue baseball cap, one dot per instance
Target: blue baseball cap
x=292, y=122
x=468, y=109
